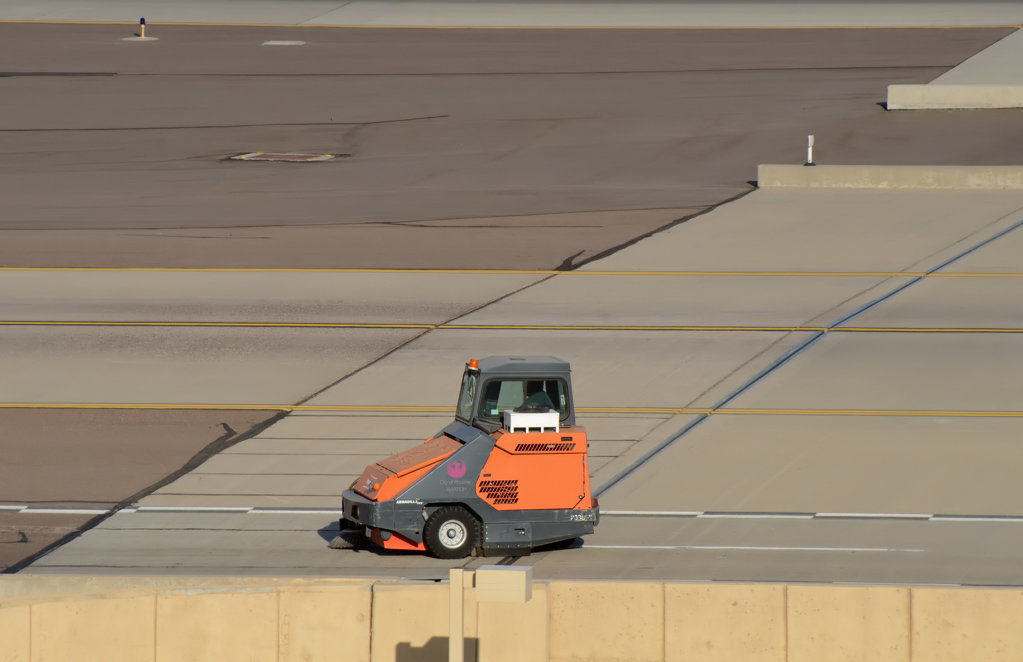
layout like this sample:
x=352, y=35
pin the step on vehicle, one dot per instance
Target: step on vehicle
x=510, y=473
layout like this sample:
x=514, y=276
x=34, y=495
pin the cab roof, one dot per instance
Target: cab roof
x=532, y=366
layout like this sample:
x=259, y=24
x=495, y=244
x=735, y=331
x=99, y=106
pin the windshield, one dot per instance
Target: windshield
x=500, y=395
x=467, y=395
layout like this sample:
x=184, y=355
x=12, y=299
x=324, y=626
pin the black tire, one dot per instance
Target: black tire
x=451, y=532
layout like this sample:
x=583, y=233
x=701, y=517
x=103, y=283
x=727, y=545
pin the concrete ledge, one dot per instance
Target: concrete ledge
x=605, y=621
x=890, y=177
x=293, y=620
x=16, y=630
x=838, y=623
x=38, y=587
x=958, y=624
x=726, y=622
x=919, y=97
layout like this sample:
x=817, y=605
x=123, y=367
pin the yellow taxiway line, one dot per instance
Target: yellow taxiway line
x=258, y=325
x=440, y=409
x=530, y=272
x=517, y=327
x=514, y=27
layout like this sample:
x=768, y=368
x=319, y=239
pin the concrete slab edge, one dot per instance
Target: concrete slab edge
x=950, y=97
x=562, y=620
x=890, y=177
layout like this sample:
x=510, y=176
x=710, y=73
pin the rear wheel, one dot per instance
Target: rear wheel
x=451, y=532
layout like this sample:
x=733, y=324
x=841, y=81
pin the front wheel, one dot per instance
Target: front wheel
x=451, y=533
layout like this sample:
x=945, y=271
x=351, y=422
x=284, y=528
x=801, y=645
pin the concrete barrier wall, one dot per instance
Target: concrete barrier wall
x=922, y=97
x=718, y=622
x=362, y=620
x=890, y=177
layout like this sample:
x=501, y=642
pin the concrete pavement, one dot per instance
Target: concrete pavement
x=827, y=231
x=259, y=367
x=269, y=339
x=997, y=64
x=711, y=451
x=833, y=488
x=286, y=297
x=990, y=79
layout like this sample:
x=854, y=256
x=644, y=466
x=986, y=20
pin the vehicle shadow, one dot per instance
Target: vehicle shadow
x=330, y=531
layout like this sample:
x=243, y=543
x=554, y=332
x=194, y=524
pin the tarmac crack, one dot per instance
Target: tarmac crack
x=21, y=537
x=191, y=127
x=564, y=72
x=55, y=74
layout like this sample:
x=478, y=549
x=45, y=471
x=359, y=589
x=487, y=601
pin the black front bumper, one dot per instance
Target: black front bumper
x=361, y=511
x=386, y=516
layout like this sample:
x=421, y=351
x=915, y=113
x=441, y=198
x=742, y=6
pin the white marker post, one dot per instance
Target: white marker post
x=809, y=151
x=142, y=28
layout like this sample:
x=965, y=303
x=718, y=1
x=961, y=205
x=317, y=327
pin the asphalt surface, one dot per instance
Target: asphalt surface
x=567, y=13
x=453, y=138
x=497, y=149
x=68, y=468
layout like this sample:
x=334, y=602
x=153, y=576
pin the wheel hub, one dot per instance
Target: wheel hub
x=452, y=534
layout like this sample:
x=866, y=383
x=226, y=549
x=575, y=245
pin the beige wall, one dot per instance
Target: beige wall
x=142, y=620
x=890, y=177
x=717, y=622
x=910, y=97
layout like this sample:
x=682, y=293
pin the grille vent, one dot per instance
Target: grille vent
x=500, y=492
x=543, y=448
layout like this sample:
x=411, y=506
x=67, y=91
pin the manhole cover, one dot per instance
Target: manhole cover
x=284, y=156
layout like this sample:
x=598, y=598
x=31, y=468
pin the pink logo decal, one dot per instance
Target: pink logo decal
x=456, y=469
